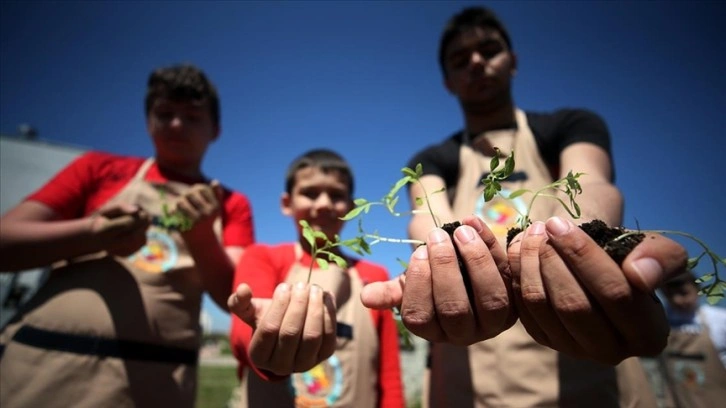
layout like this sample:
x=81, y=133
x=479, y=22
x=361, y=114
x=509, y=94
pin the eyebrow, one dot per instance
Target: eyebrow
x=487, y=42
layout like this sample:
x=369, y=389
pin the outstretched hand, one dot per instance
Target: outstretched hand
x=293, y=331
x=572, y=297
x=433, y=297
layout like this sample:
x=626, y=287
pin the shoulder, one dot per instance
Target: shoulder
x=108, y=165
x=370, y=272
x=563, y=119
x=235, y=200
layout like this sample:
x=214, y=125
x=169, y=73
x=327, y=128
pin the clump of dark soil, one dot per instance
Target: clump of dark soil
x=604, y=235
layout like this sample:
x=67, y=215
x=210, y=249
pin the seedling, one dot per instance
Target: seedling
x=322, y=248
x=172, y=220
x=570, y=186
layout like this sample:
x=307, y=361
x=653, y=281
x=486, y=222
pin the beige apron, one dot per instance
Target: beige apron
x=695, y=376
x=512, y=370
x=349, y=378
x=106, y=331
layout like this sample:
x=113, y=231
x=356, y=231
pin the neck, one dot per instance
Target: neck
x=480, y=118
x=180, y=171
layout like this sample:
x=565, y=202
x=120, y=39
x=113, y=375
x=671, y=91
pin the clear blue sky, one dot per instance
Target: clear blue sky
x=362, y=78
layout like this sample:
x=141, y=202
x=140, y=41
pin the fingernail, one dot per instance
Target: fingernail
x=464, y=234
x=283, y=287
x=421, y=253
x=314, y=290
x=649, y=270
x=537, y=228
x=558, y=226
x=437, y=236
x=300, y=286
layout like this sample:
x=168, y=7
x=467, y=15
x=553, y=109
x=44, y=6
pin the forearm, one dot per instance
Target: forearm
x=214, y=265
x=599, y=200
x=30, y=244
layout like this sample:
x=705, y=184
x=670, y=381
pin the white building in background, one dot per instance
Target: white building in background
x=25, y=165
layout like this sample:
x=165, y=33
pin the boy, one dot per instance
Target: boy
x=364, y=371
x=117, y=323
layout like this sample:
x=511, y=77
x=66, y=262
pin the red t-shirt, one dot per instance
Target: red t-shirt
x=263, y=267
x=95, y=177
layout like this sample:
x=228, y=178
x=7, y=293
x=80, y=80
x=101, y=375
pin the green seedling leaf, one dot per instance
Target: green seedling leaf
x=704, y=278
x=360, y=201
x=518, y=193
x=322, y=263
x=402, y=263
x=494, y=163
x=441, y=190
x=419, y=170
x=509, y=165
x=693, y=263
x=354, y=212
x=409, y=172
x=419, y=201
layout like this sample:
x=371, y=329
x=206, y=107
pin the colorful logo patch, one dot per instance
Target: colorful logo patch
x=158, y=255
x=319, y=387
x=500, y=214
x=689, y=373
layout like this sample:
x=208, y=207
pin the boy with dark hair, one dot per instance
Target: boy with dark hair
x=364, y=370
x=548, y=319
x=134, y=244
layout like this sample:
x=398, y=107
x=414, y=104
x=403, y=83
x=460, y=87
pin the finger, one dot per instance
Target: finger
x=451, y=300
x=240, y=304
x=330, y=323
x=655, y=260
x=291, y=330
x=207, y=200
x=185, y=207
x=491, y=292
x=118, y=210
x=264, y=339
x=580, y=265
x=525, y=316
x=382, y=295
x=417, y=305
x=313, y=332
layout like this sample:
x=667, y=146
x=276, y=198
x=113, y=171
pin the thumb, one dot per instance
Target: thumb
x=118, y=210
x=655, y=260
x=240, y=303
x=383, y=295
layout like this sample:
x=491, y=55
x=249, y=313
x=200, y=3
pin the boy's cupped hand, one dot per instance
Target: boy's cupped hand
x=293, y=331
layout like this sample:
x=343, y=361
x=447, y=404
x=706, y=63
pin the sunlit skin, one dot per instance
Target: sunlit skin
x=320, y=198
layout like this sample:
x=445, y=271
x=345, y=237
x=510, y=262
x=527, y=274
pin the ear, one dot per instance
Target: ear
x=513, y=70
x=285, y=202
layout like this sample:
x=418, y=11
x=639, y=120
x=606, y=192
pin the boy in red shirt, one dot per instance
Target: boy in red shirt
x=117, y=322
x=283, y=362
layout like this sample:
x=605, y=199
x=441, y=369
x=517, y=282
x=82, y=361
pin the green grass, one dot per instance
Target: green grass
x=216, y=384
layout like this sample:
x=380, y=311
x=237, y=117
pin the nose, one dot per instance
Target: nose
x=477, y=58
x=323, y=201
x=175, y=122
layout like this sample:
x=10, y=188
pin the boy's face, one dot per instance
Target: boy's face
x=479, y=66
x=319, y=198
x=181, y=131
x=683, y=297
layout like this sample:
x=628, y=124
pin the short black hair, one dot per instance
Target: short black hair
x=468, y=18
x=325, y=159
x=182, y=82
